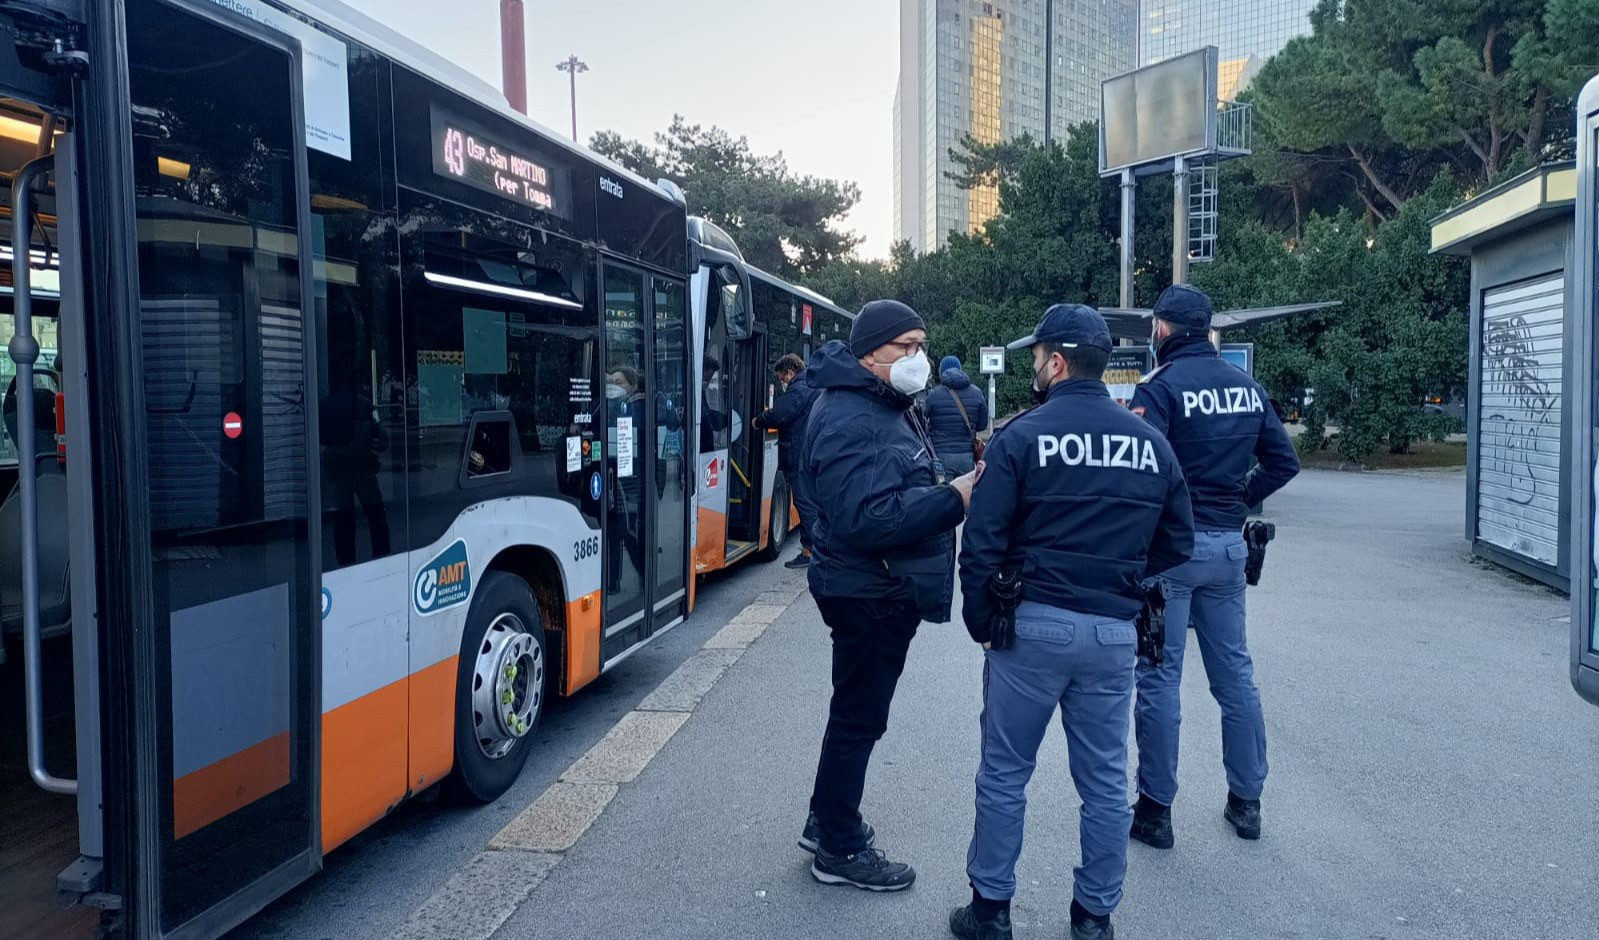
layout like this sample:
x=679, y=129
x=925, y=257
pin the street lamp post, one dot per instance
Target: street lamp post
x=572, y=66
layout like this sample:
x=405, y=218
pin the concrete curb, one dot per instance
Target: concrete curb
x=480, y=898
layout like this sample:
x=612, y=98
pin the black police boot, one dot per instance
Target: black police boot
x=808, y=838
x=1152, y=823
x=868, y=869
x=1243, y=815
x=1086, y=926
x=981, y=920
x=802, y=560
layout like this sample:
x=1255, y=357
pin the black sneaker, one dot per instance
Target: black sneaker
x=1243, y=815
x=1086, y=926
x=808, y=838
x=868, y=869
x=798, y=561
x=965, y=923
x=1152, y=823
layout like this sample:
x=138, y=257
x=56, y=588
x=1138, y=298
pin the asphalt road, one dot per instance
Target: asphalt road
x=370, y=885
x=1433, y=774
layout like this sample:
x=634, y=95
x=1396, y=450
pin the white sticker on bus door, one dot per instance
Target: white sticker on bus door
x=574, y=454
x=624, y=447
x=324, y=62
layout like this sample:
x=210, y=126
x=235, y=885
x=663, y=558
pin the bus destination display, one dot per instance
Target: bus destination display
x=465, y=154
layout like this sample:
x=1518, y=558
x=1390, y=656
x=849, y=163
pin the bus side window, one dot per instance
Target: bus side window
x=735, y=305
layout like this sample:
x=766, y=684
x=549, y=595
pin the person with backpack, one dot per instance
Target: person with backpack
x=956, y=414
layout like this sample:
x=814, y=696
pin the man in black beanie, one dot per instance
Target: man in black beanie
x=883, y=556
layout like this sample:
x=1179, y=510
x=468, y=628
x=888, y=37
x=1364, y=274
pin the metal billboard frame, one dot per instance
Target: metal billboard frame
x=1150, y=164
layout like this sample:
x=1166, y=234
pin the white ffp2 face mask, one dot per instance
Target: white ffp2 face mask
x=910, y=374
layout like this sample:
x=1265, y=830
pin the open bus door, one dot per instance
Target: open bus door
x=199, y=305
x=1584, y=403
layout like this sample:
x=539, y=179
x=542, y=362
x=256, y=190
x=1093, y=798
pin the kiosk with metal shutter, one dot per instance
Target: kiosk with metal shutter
x=1518, y=236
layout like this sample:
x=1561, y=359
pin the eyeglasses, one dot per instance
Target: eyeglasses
x=911, y=348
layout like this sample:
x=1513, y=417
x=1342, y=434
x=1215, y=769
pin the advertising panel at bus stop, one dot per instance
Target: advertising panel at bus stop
x=1126, y=367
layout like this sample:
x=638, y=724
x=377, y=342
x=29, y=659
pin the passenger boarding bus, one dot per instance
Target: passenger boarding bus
x=1584, y=400
x=353, y=414
x=744, y=321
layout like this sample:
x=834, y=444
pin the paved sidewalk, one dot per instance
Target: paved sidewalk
x=1433, y=774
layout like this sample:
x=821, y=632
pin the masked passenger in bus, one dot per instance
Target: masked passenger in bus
x=625, y=401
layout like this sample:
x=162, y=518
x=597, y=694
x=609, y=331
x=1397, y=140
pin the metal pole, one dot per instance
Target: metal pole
x=1049, y=66
x=1129, y=206
x=574, y=106
x=572, y=66
x=24, y=351
x=993, y=405
x=513, y=54
x=1179, y=222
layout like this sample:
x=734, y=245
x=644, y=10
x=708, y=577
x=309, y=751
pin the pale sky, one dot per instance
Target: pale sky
x=812, y=78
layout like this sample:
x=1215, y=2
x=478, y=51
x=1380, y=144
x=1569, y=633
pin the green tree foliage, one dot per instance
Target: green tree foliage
x=1054, y=241
x=1400, y=335
x=1386, y=114
x=1385, y=93
x=784, y=223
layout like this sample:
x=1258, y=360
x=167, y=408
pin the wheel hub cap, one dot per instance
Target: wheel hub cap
x=507, y=685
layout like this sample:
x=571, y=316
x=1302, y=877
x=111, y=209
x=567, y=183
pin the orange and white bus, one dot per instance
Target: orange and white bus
x=744, y=321
x=353, y=414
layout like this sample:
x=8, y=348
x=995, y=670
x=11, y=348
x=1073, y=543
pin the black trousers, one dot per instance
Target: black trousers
x=870, y=640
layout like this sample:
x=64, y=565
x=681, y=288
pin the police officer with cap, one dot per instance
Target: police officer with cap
x=1217, y=417
x=1085, y=501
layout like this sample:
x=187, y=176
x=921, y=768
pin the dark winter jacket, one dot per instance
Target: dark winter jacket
x=885, y=525
x=944, y=423
x=788, y=416
x=1216, y=417
x=1087, y=500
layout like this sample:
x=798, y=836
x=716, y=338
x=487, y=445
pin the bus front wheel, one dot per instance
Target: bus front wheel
x=500, y=688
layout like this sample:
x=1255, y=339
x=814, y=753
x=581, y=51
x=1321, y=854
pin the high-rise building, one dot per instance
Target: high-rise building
x=977, y=67
x=1245, y=32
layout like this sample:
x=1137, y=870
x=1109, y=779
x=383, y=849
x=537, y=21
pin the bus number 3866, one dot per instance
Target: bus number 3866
x=586, y=548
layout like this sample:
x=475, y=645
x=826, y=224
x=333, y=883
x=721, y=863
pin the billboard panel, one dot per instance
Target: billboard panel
x=1158, y=112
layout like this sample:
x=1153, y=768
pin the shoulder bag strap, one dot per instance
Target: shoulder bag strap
x=962, y=407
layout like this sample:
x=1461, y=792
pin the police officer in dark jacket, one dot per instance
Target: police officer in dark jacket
x=788, y=416
x=883, y=562
x=956, y=414
x=1217, y=417
x=1087, y=501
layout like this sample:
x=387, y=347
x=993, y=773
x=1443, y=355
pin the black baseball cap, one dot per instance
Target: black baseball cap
x=1186, y=306
x=1069, y=325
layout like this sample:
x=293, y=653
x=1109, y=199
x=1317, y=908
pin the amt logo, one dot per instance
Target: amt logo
x=443, y=582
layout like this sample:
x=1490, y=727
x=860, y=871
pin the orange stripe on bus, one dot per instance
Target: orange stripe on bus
x=710, y=550
x=583, y=636
x=432, y=696
x=766, y=521
x=232, y=783
x=363, y=762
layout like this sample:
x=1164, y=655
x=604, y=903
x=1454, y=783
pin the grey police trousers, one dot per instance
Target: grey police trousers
x=1083, y=664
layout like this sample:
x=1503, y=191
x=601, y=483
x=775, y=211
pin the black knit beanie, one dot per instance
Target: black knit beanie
x=878, y=323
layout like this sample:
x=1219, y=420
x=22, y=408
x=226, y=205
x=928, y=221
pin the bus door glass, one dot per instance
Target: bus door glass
x=747, y=377
x=673, y=462
x=219, y=157
x=629, y=392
